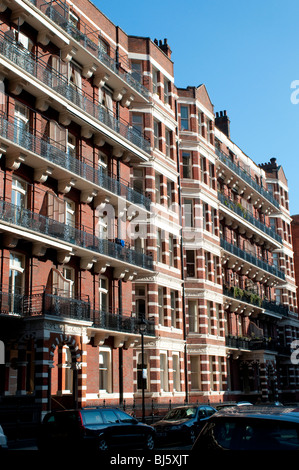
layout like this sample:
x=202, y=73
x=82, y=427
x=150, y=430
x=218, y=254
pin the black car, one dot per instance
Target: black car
x=97, y=428
x=250, y=428
x=183, y=423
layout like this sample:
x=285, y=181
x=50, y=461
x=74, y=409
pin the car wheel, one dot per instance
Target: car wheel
x=150, y=442
x=102, y=444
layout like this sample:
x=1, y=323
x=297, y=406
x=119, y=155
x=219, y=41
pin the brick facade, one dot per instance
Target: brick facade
x=124, y=201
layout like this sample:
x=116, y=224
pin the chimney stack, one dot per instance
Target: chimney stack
x=223, y=123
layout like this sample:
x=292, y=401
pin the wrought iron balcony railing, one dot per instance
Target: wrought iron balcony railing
x=45, y=148
x=253, y=298
x=63, y=306
x=274, y=307
x=245, y=214
x=44, y=303
x=43, y=72
x=118, y=321
x=243, y=173
x=44, y=225
x=58, y=12
x=252, y=259
x=252, y=344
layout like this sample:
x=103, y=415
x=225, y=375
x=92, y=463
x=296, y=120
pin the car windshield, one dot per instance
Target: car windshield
x=181, y=413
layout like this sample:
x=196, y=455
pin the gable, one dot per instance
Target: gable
x=203, y=97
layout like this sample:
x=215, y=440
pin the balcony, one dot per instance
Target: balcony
x=274, y=307
x=117, y=321
x=251, y=258
x=237, y=342
x=248, y=216
x=40, y=224
x=254, y=299
x=243, y=295
x=61, y=305
x=46, y=149
x=48, y=76
x=58, y=12
x=245, y=175
x=43, y=303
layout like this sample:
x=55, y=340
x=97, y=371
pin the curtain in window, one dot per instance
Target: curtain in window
x=58, y=135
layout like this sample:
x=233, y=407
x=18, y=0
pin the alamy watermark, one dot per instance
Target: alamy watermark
x=295, y=93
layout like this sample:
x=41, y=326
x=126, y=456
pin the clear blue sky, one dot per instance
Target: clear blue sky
x=247, y=55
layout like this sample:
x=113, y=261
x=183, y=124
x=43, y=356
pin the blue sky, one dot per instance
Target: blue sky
x=247, y=55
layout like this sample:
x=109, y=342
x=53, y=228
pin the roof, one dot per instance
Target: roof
x=266, y=412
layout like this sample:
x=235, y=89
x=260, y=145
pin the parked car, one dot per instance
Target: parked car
x=96, y=428
x=3, y=439
x=183, y=423
x=250, y=428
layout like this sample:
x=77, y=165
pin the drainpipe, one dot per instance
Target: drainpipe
x=182, y=264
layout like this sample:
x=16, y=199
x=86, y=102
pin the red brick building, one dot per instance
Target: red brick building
x=125, y=204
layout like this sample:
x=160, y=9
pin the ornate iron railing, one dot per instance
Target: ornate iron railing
x=44, y=225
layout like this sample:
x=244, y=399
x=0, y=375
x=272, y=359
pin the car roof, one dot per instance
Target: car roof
x=258, y=411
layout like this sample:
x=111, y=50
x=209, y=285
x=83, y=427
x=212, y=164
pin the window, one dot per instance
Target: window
x=207, y=261
x=187, y=168
x=190, y=263
x=137, y=71
x=215, y=265
x=16, y=273
x=171, y=250
x=21, y=123
x=156, y=135
x=188, y=212
x=209, y=315
x=176, y=372
x=71, y=145
x=140, y=303
x=159, y=245
x=105, y=366
x=168, y=143
x=193, y=316
x=158, y=188
x=184, y=118
x=103, y=47
x=211, y=175
x=161, y=305
x=201, y=118
x=173, y=308
x=205, y=210
x=155, y=81
x=69, y=213
x=68, y=372
x=195, y=376
x=68, y=281
x=74, y=20
x=103, y=294
x=76, y=76
x=137, y=123
x=163, y=372
x=19, y=193
x=212, y=373
x=166, y=91
x=278, y=296
x=203, y=169
x=214, y=220
x=169, y=193
x=102, y=161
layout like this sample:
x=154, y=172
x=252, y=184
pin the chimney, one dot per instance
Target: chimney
x=165, y=47
x=223, y=123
